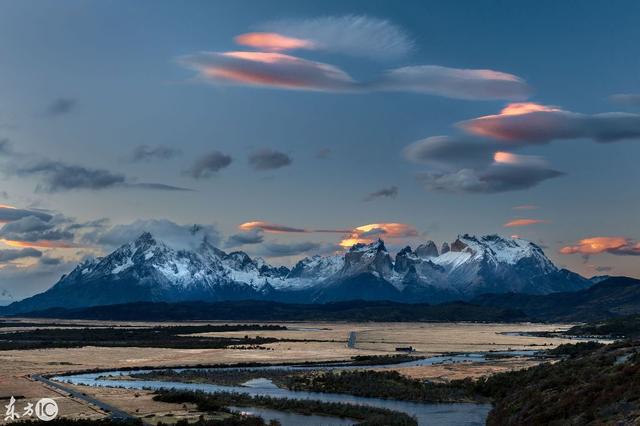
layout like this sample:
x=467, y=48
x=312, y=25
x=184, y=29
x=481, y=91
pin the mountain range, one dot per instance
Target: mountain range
x=148, y=269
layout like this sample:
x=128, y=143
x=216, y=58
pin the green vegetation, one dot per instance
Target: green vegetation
x=366, y=416
x=218, y=376
x=178, y=337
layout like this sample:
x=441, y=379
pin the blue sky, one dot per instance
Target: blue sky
x=85, y=85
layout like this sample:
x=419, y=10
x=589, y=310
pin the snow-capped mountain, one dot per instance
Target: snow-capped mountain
x=149, y=270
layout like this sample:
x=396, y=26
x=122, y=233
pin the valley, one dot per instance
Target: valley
x=293, y=342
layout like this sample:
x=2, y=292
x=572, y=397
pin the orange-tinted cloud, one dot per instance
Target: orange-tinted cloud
x=270, y=227
x=40, y=244
x=595, y=245
x=268, y=69
x=272, y=41
x=368, y=233
x=526, y=207
x=523, y=222
x=531, y=123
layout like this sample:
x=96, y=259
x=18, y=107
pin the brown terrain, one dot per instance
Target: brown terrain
x=330, y=343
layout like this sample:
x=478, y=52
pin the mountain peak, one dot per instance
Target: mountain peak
x=145, y=239
x=376, y=246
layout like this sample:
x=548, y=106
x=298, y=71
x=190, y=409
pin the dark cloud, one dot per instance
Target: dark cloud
x=529, y=123
x=274, y=249
x=157, y=187
x=5, y=147
x=390, y=192
x=253, y=236
x=145, y=153
x=10, y=255
x=470, y=84
x=57, y=176
x=268, y=159
x=452, y=152
x=9, y=214
x=61, y=106
x=498, y=177
x=174, y=234
x=33, y=229
x=603, y=268
x=627, y=99
x=208, y=165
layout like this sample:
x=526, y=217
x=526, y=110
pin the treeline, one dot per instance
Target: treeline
x=385, y=384
x=177, y=337
x=366, y=416
x=621, y=327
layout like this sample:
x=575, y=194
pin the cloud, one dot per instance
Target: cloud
x=275, y=249
x=526, y=207
x=5, y=147
x=523, y=222
x=521, y=173
x=270, y=227
x=390, y=192
x=530, y=123
x=368, y=233
x=61, y=106
x=627, y=99
x=156, y=187
x=268, y=159
x=272, y=41
x=209, y=164
x=267, y=69
x=174, y=234
x=277, y=70
x=621, y=246
x=8, y=255
x=356, y=35
x=252, y=236
x=34, y=231
x=448, y=152
x=57, y=176
x=145, y=153
x=470, y=84
x=10, y=213
x=323, y=153
x=25, y=280
x=603, y=268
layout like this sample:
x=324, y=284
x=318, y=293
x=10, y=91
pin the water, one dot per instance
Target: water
x=293, y=419
x=459, y=414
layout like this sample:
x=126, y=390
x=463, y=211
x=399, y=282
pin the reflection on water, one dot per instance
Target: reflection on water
x=426, y=414
x=459, y=414
x=292, y=419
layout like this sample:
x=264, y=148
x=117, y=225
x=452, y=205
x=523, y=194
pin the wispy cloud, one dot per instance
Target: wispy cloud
x=523, y=222
x=145, y=153
x=626, y=99
x=390, y=192
x=356, y=35
x=471, y=84
x=252, y=236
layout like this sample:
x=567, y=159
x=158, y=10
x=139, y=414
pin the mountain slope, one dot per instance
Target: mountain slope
x=149, y=270
x=612, y=297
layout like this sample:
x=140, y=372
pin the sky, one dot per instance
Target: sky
x=291, y=128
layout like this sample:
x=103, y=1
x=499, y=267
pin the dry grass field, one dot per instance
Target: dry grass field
x=329, y=342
